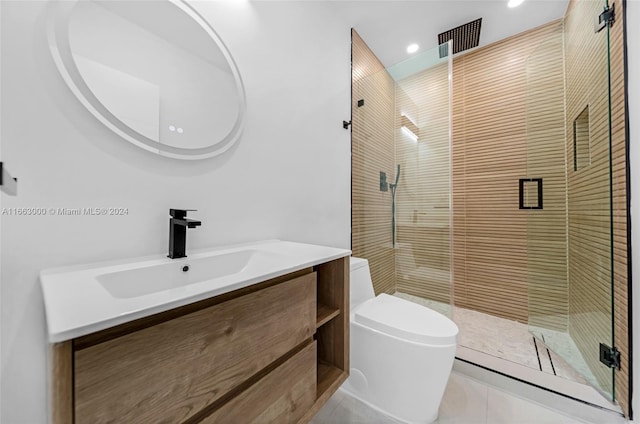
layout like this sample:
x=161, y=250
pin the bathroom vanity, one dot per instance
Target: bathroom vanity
x=266, y=342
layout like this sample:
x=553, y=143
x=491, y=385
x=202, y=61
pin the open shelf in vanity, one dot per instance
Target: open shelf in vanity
x=332, y=333
x=325, y=314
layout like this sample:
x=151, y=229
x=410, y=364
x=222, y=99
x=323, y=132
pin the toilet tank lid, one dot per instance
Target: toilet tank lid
x=357, y=263
x=407, y=320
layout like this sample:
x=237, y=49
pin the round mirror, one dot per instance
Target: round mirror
x=155, y=72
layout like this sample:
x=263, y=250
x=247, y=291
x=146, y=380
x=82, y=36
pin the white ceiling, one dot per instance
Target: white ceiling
x=388, y=27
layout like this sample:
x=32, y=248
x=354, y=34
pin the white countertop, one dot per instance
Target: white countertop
x=77, y=304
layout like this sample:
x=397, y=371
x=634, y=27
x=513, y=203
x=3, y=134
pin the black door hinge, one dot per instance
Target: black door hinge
x=610, y=356
x=608, y=17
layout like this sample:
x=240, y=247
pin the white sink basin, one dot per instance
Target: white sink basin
x=83, y=299
x=155, y=278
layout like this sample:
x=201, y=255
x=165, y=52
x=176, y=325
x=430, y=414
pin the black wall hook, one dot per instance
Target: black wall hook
x=8, y=184
x=346, y=124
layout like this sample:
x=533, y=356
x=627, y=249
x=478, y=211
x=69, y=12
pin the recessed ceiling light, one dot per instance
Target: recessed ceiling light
x=413, y=48
x=514, y=3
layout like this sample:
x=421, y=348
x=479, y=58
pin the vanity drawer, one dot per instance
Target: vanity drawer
x=169, y=372
x=283, y=396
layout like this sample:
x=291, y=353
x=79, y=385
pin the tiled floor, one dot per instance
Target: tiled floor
x=465, y=401
x=565, y=347
x=511, y=341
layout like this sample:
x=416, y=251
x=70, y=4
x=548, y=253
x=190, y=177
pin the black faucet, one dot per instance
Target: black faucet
x=178, y=225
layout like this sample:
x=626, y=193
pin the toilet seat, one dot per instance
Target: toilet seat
x=406, y=320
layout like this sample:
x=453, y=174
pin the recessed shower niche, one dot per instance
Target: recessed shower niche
x=581, y=142
x=154, y=72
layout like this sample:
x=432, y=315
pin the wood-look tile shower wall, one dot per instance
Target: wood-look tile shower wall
x=372, y=151
x=423, y=199
x=545, y=157
x=508, y=124
x=491, y=152
x=588, y=192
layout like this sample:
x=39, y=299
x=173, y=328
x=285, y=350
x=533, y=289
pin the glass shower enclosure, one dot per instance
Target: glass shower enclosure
x=567, y=191
x=401, y=183
x=529, y=189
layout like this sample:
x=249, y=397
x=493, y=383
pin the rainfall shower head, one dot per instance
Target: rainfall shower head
x=464, y=37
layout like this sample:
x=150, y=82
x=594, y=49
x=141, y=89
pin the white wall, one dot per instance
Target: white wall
x=288, y=177
x=1, y=196
x=633, y=52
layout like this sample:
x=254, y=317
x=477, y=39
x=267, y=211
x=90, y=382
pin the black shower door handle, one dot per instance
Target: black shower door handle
x=522, y=182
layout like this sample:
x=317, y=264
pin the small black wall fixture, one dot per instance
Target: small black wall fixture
x=346, y=124
x=522, y=182
x=384, y=185
x=8, y=184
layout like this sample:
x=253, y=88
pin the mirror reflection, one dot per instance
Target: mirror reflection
x=157, y=69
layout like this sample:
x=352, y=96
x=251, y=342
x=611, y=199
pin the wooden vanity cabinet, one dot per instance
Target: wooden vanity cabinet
x=270, y=353
x=282, y=396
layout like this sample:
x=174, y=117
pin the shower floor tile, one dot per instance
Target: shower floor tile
x=566, y=347
x=506, y=339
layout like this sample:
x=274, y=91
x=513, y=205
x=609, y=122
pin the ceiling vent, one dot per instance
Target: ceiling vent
x=464, y=37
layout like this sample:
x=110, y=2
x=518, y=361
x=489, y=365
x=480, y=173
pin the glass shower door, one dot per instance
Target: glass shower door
x=566, y=194
x=423, y=150
x=401, y=173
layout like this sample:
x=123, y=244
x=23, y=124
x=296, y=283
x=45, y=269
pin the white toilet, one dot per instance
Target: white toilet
x=401, y=352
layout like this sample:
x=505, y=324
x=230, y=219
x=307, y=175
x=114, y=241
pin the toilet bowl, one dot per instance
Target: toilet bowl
x=401, y=352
